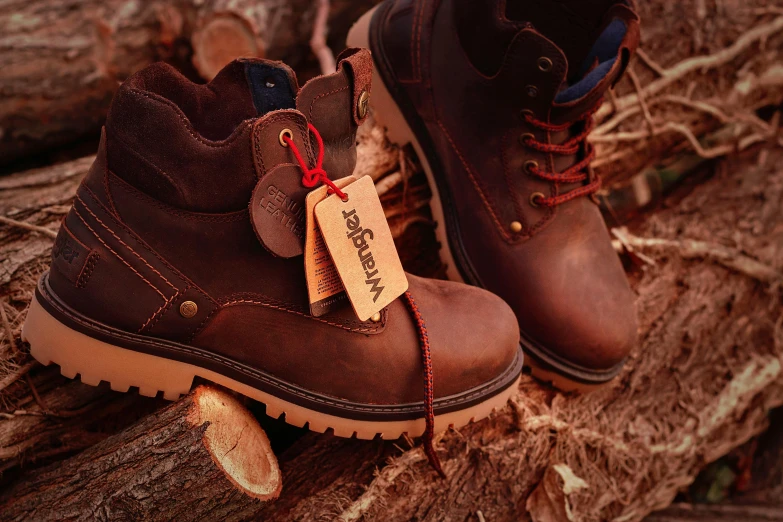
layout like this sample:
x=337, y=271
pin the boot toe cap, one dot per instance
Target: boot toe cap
x=474, y=335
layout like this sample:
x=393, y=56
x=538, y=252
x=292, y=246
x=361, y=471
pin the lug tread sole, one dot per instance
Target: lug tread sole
x=95, y=361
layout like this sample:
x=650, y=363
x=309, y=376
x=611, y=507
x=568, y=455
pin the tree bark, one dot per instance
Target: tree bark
x=202, y=458
x=63, y=60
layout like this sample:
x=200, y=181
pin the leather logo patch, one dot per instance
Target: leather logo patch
x=69, y=255
x=277, y=210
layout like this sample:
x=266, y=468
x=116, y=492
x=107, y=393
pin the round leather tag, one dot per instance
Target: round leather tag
x=277, y=211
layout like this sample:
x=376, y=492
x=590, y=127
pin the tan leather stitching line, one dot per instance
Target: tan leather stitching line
x=124, y=243
x=284, y=309
x=323, y=95
x=116, y=254
x=475, y=182
x=147, y=248
x=87, y=270
x=165, y=305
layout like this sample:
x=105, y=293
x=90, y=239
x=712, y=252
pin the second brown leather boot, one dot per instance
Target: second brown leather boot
x=159, y=276
x=496, y=97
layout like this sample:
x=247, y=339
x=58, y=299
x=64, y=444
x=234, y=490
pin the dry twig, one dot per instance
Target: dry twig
x=694, y=249
x=318, y=40
x=28, y=226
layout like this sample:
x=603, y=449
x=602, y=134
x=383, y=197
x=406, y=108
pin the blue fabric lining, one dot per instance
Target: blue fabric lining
x=605, y=51
x=270, y=87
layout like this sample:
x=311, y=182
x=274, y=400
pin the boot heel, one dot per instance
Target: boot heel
x=77, y=354
x=387, y=113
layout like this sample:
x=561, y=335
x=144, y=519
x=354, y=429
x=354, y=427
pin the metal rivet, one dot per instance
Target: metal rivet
x=526, y=137
x=530, y=165
x=188, y=309
x=516, y=227
x=285, y=132
x=376, y=317
x=544, y=63
x=364, y=104
x=531, y=90
x=535, y=197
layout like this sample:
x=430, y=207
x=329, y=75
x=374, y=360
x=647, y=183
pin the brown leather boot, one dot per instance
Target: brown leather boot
x=496, y=98
x=158, y=276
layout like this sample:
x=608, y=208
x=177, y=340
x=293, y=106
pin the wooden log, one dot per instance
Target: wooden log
x=50, y=417
x=203, y=458
x=62, y=60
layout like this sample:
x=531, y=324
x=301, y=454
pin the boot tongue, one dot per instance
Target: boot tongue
x=595, y=67
x=602, y=66
x=273, y=85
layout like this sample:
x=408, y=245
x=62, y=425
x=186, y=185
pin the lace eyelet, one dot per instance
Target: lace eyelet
x=544, y=64
x=283, y=133
x=534, y=198
x=531, y=91
x=529, y=165
x=526, y=137
x=526, y=113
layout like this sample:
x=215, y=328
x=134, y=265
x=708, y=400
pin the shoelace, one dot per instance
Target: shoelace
x=576, y=173
x=312, y=177
x=429, y=412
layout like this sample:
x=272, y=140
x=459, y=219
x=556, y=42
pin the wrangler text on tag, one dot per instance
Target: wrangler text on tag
x=360, y=236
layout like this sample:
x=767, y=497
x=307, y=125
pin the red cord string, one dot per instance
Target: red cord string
x=429, y=413
x=575, y=173
x=313, y=176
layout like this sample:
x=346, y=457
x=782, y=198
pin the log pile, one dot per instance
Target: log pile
x=706, y=264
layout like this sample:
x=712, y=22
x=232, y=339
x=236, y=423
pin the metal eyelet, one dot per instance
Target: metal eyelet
x=531, y=91
x=526, y=113
x=545, y=64
x=515, y=227
x=285, y=132
x=530, y=165
x=534, y=197
x=526, y=137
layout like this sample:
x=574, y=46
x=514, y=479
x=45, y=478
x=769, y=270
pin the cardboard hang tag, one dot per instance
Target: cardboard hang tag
x=362, y=248
x=324, y=287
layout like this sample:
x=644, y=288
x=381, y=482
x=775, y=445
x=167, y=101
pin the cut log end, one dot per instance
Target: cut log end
x=221, y=38
x=237, y=444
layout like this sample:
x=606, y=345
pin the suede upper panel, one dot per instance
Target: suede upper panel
x=157, y=145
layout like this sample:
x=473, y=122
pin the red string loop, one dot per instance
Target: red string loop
x=311, y=177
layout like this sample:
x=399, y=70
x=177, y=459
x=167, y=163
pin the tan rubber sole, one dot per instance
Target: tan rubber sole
x=557, y=380
x=388, y=115
x=96, y=361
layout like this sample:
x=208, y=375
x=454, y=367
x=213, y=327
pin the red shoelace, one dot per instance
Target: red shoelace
x=429, y=412
x=576, y=173
x=312, y=177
